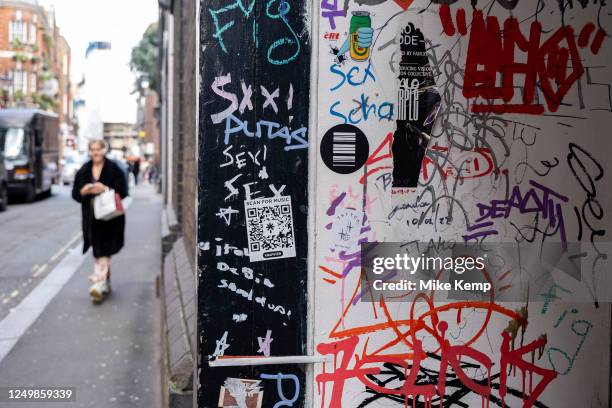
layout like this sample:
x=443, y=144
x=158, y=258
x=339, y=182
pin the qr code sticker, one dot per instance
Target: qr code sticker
x=269, y=223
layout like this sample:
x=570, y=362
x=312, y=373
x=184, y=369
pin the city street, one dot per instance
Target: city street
x=109, y=352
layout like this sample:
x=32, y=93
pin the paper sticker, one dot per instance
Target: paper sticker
x=344, y=149
x=238, y=392
x=269, y=223
x=346, y=230
x=418, y=104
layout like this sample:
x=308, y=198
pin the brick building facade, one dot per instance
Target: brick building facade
x=185, y=124
x=178, y=128
x=150, y=124
x=61, y=60
x=121, y=137
x=34, y=59
x=178, y=115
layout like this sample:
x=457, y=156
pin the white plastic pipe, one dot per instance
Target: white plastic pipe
x=255, y=361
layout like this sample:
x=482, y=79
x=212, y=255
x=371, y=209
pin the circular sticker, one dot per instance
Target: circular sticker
x=344, y=149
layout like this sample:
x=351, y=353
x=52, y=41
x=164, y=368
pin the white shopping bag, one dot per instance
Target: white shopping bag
x=107, y=205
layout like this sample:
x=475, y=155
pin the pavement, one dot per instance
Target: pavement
x=109, y=353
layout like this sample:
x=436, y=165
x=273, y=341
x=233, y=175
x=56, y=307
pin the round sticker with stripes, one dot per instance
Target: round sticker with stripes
x=344, y=149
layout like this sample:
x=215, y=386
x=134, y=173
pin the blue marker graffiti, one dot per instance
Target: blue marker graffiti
x=363, y=112
x=294, y=139
x=284, y=401
x=582, y=333
x=282, y=11
x=220, y=30
x=349, y=77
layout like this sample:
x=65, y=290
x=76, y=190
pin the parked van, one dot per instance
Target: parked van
x=29, y=139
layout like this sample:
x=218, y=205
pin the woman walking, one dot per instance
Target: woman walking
x=105, y=237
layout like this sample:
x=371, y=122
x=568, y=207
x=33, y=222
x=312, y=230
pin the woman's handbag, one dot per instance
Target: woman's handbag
x=107, y=205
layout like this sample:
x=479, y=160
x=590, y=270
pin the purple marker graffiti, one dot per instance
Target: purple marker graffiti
x=537, y=199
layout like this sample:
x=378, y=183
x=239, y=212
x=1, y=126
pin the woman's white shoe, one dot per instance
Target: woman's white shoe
x=99, y=290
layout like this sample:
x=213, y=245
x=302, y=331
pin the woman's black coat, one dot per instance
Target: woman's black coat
x=106, y=237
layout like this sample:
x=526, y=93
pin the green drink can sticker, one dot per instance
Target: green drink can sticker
x=358, y=20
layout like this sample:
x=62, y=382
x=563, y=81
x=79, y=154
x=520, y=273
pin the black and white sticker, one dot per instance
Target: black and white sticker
x=269, y=223
x=344, y=149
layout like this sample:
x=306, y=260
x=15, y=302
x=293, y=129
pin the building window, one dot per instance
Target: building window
x=33, y=79
x=33, y=33
x=16, y=31
x=19, y=81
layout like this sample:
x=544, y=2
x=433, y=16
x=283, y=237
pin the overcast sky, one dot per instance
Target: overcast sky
x=122, y=22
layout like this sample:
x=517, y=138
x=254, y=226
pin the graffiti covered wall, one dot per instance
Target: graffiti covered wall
x=463, y=121
x=435, y=122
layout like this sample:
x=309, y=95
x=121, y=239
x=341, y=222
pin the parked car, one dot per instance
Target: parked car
x=71, y=164
x=29, y=139
x=3, y=184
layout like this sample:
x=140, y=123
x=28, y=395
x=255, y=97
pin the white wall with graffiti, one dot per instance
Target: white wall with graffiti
x=463, y=121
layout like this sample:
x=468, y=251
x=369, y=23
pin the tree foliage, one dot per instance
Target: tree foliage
x=143, y=61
